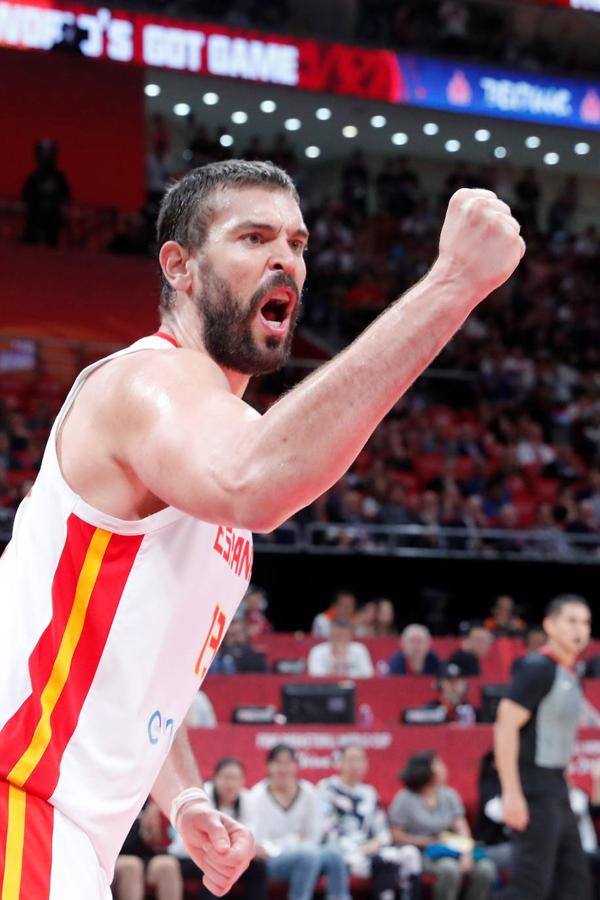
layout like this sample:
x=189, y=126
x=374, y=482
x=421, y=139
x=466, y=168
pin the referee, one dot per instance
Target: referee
x=534, y=737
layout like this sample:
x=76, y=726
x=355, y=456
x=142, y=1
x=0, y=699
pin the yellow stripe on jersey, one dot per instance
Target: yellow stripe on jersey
x=15, y=839
x=62, y=664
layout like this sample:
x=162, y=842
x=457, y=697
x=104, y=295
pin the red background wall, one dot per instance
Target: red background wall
x=95, y=112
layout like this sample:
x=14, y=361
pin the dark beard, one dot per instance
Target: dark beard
x=227, y=325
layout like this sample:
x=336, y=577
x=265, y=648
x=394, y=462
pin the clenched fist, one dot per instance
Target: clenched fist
x=480, y=243
x=220, y=846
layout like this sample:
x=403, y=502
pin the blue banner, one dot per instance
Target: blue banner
x=498, y=93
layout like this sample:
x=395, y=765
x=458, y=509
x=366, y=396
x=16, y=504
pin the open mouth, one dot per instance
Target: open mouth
x=276, y=309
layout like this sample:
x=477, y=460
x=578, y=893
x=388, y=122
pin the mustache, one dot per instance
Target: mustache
x=277, y=280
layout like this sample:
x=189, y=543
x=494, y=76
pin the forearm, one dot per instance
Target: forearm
x=179, y=772
x=307, y=440
x=417, y=840
x=506, y=746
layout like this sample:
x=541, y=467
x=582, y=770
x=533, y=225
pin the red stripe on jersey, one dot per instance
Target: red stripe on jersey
x=115, y=569
x=37, y=850
x=3, y=825
x=166, y=337
x=18, y=732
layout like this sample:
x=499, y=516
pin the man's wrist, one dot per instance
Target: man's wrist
x=187, y=796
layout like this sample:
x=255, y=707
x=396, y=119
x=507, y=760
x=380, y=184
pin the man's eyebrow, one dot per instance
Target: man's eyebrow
x=251, y=225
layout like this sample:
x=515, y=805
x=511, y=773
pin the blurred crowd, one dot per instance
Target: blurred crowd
x=506, y=437
x=339, y=830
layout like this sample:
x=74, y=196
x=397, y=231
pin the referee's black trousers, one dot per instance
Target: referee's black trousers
x=548, y=860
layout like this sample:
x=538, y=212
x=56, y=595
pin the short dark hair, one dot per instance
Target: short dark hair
x=228, y=761
x=418, y=771
x=275, y=751
x=185, y=210
x=555, y=607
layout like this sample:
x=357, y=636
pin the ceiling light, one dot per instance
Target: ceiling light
x=500, y=152
x=532, y=142
x=323, y=113
x=239, y=117
x=349, y=131
x=226, y=140
x=582, y=148
x=211, y=99
x=551, y=158
x=292, y=124
x=182, y=109
x=452, y=146
x=152, y=90
x=430, y=128
x=312, y=152
x=482, y=135
x=378, y=121
x=399, y=138
x=268, y=106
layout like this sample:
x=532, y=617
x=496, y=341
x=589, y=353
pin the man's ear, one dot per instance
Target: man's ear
x=174, y=261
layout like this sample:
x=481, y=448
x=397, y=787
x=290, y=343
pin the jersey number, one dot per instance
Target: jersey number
x=212, y=642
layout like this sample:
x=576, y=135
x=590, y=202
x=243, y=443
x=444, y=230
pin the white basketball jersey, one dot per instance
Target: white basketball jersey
x=108, y=629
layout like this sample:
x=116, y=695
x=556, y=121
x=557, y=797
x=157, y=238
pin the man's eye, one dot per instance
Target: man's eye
x=298, y=246
x=253, y=238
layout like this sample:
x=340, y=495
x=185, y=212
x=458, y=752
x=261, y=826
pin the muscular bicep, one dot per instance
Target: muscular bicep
x=187, y=438
x=512, y=714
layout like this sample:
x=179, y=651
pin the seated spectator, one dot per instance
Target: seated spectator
x=364, y=620
x=340, y=655
x=385, y=618
x=474, y=647
x=357, y=825
x=592, y=666
x=451, y=703
x=140, y=865
x=201, y=713
x=533, y=640
x=416, y=656
x=288, y=825
x=503, y=621
x=431, y=815
x=252, y=611
x=237, y=653
x=227, y=793
x=342, y=607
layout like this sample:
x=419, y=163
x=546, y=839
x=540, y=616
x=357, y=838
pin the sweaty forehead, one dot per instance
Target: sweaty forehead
x=269, y=206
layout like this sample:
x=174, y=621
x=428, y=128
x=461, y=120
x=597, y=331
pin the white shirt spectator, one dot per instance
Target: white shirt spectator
x=354, y=663
x=276, y=828
x=201, y=713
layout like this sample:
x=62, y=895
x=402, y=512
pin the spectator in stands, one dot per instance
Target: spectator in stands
x=358, y=826
x=385, y=618
x=340, y=655
x=237, y=653
x=201, y=713
x=343, y=606
x=227, y=793
x=504, y=622
x=46, y=195
x=364, y=620
x=533, y=640
x=288, y=825
x=450, y=704
x=416, y=656
x=474, y=647
x=431, y=815
x=140, y=865
x=252, y=612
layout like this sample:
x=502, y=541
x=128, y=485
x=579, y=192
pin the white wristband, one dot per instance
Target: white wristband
x=193, y=793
